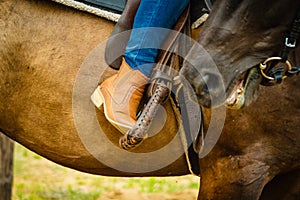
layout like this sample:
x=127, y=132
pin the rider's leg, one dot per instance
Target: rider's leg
x=151, y=13
x=115, y=45
x=122, y=92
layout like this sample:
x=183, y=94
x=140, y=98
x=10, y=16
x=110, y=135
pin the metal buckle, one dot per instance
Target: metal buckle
x=290, y=44
x=263, y=67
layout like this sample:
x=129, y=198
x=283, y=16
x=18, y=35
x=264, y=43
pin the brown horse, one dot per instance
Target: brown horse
x=43, y=46
x=261, y=141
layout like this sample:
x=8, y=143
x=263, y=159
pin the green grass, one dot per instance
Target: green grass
x=36, y=178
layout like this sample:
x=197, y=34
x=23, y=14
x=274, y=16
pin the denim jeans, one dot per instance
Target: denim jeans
x=151, y=22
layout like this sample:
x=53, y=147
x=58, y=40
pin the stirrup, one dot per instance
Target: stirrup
x=160, y=88
x=138, y=133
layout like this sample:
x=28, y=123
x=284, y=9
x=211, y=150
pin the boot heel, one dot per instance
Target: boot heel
x=97, y=98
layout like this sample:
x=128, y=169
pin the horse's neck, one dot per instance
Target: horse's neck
x=260, y=20
x=295, y=55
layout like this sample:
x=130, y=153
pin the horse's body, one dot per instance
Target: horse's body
x=43, y=45
x=42, y=48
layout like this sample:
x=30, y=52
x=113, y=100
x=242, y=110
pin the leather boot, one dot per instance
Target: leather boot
x=120, y=95
x=116, y=44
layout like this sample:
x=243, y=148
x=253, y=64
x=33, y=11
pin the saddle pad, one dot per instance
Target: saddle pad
x=113, y=5
x=108, y=9
x=111, y=9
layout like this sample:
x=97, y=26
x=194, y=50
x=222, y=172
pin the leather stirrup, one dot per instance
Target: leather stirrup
x=159, y=89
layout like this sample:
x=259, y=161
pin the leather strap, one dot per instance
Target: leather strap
x=159, y=89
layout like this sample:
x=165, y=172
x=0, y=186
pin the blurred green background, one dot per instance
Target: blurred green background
x=36, y=178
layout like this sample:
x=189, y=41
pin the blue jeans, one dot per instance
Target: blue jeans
x=151, y=22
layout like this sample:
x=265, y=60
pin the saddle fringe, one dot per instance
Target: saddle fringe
x=87, y=8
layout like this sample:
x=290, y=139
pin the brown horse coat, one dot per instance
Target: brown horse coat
x=42, y=47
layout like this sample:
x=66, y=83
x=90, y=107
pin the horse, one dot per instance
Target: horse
x=42, y=52
x=260, y=143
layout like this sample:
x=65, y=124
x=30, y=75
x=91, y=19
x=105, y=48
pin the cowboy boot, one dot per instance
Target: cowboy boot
x=120, y=95
x=116, y=44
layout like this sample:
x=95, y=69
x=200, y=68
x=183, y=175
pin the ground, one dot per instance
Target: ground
x=36, y=178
